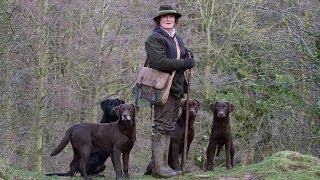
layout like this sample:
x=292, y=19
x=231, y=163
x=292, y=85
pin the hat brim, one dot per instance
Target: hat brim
x=177, y=15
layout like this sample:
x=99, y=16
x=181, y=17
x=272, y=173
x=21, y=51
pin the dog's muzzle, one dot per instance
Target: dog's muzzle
x=221, y=114
x=126, y=117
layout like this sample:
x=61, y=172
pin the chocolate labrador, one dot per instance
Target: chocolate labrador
x=114, y=138
x=177, y=135
x=96, y=161
x=220, y=134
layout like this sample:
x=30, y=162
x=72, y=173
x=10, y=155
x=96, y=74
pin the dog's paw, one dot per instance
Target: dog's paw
x=99, y=175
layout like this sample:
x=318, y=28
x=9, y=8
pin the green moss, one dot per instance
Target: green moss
x=281, y=165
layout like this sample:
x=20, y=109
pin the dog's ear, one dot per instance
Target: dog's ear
x=182, y=102
x=199, y=105
x=137, y=108
x=230, y=106
x=212, y=105
x=120, y=101
x=103, y=104
x=117, y=110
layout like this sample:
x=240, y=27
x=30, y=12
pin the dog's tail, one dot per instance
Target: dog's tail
x=63, y=143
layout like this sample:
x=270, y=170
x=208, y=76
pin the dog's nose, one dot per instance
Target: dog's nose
x=221, y=115
x=126, y=117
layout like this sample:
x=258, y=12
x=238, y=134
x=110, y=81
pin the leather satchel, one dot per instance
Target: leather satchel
x=153, y=85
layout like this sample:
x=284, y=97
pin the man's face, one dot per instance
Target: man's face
x=167, y=21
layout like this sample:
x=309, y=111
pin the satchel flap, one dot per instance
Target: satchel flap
x=152, y=77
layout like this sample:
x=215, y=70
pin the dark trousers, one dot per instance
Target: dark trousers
x=166, y=115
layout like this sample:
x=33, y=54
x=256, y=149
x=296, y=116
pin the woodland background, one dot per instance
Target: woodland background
x=59, y=59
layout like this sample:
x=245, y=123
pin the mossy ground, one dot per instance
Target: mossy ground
x=282, y=165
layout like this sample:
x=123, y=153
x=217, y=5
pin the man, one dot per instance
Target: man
x=166, y=52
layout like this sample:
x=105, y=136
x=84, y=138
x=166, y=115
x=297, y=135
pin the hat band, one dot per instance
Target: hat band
x=162, y=12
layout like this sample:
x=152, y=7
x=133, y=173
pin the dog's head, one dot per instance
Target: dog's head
x=194, y=106
x=221, y=109
x=127, y=113
x=109, y=105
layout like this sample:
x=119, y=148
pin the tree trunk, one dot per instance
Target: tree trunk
x=97, y=89
x=206, y=11
x=43, y=59
x=8, y=122
x=304, y=124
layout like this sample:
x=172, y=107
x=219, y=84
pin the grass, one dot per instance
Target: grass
x=282, y=165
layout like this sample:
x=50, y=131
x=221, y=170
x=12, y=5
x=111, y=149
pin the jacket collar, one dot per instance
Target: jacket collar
x=164, y=32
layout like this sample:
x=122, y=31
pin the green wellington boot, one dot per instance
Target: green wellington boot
x=158, y=147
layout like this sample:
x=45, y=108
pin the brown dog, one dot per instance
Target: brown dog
x=96, y=161
x=114, y=138
x=220, y=134
x=177, y=135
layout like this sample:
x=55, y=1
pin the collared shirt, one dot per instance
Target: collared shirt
x=173, y=32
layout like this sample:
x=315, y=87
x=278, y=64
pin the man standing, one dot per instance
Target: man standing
x=166, y=52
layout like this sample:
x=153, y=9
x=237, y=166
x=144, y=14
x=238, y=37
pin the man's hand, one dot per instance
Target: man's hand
x=189, y=63
x=187, y=54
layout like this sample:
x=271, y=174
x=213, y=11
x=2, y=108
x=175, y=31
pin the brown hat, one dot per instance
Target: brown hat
x=167, y=9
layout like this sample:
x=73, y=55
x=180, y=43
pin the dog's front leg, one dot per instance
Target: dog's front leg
x=232, y=152
x=228, y=157
x=173, y=160
x=125, y=160
x=117, y=163
x=211, y=154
